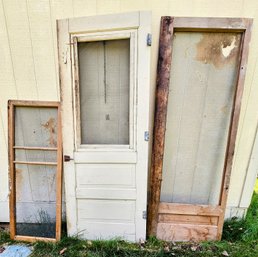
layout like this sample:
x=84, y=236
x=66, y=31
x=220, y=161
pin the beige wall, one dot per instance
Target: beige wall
x=29, y=65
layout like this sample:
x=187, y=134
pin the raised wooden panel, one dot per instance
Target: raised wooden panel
x=104, y=193
x=187, y=219
x=105, y=231
x=104, y=219
x=120, y=211
x=105, y=156
x=190, y=209
x=186, y=232
x=105, y=175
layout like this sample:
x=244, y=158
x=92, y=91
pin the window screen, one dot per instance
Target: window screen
x=104, y=91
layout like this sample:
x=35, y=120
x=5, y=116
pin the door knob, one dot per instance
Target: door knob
x=67, y=158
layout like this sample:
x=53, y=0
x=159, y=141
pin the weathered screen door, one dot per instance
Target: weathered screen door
x=202, y=63
x=104, y=76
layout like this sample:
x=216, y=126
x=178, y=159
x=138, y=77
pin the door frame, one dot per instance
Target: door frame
x=66, y=29
x=12, y=105
x=169, y=25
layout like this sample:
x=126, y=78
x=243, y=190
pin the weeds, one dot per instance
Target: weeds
x=240, y=239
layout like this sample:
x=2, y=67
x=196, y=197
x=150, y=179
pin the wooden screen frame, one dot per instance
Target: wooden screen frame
x=76, y=38
x=169, y=25
x=12, y=104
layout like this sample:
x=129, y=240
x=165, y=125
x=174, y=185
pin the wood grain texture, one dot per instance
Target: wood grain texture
x=12, y=182
x=59, y=175
x=162, y=91
x=187, y=219
x=190, y=209
x=186, y=232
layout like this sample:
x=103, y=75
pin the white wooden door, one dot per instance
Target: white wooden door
x=104, y=77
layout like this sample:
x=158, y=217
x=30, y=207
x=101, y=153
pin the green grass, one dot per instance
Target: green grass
x=244, y=229
x=240, y=239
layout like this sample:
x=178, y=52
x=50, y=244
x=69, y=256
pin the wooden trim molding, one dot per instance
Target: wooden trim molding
x=12, y=104
x=168, y=26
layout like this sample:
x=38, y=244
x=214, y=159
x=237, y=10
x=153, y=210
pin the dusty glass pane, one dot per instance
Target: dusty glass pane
x=104, y=68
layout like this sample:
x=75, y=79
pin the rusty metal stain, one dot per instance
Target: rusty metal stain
x=218, y=49
x=50, y=125
x=19, y=185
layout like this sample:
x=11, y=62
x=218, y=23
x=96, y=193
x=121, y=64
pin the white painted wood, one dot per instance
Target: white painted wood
x=106, y=193
x=92, y=175
x=67, y=123
x=199, y=108
x=108, y=156
x=251, y=176
x=143, y=95
x=104, y=23
x=108, y=178
x=101, y=210
x=106, y=230
x=107, y=219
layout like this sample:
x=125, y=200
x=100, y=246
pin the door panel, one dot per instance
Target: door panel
x=198, y=99
x=105, y=99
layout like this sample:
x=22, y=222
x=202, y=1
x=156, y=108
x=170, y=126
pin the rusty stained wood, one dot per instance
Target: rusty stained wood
x=12, y=180
x=182, y=232
x=162, y=91
x=59, y=175
x=12, y=104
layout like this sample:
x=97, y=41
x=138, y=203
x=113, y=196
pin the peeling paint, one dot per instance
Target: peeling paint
x=50, y=125
x=219, y=49
x=227, y=50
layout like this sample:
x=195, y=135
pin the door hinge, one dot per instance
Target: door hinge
x=144, y=215
x=149, y=39
x=146, y=136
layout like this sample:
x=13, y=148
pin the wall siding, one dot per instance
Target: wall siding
x=29, y=67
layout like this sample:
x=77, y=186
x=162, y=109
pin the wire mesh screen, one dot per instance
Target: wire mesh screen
x=104, y=91
x=35, y=171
